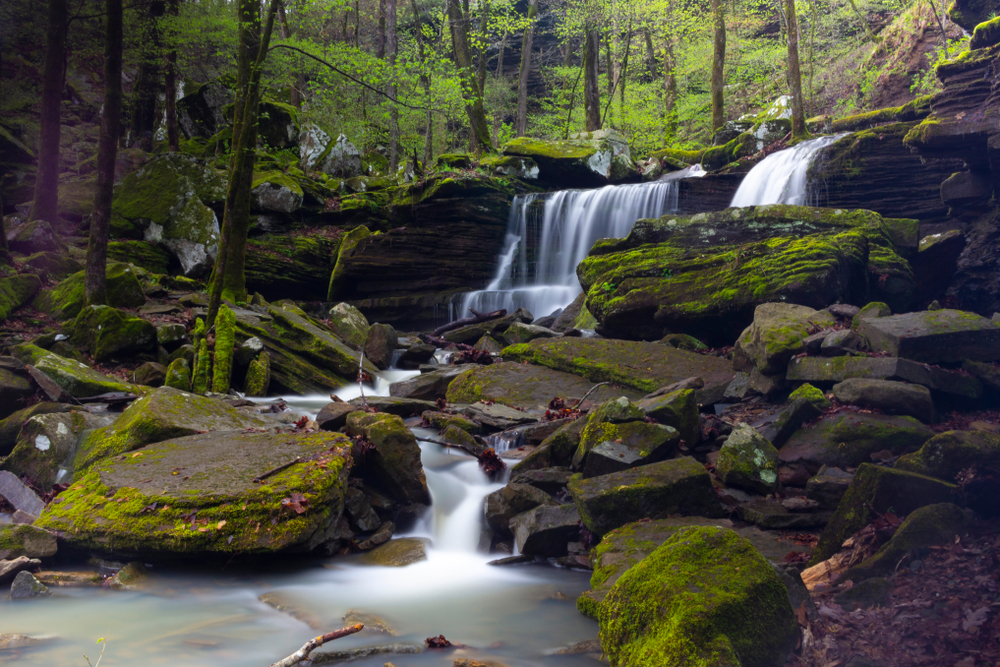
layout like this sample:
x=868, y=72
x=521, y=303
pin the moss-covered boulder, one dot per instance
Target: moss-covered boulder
x=519, y=332
x=348, y=245
x=25, y=540
x=705, y=274
x=161, y=415
x=277, y=192
x=947, y=454
x=15, y=390
x=848, y=439
x=350, y=325
x=986, y=34
x=65, y=300
x=507, y=165
x=212, y=507
x=395, y=460
x=878, y=489
x=10, y=426
x=811, y=394
x=380, y=344
x=109, y=333
x=587, y=158
x=338, y=157
x=555, y=450
x=705, y=598
x=777, y=334
x=645, y=367
x=628, y=445
x=524, y=386
x=258, y=379
x=35, y=236
x=748, y=461
x=178, y=375
x=657, y=490
x=678, y=409
x=614, y=420
x=77, y=379
x=46, y=442
x=15, y=291
x=934, y=336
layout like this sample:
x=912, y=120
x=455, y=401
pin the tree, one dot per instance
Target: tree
x=391, y=48
x=107, y=151
x=522, y=82
x=147, y=81
x=591, y=91
x=425, y=81
x=45, y=205
x=170, y=86
x=479, y=129
x=718, y=64
x=794, y=76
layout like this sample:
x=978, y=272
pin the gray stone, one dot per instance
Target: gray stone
x=933, y=337
x=333, y=416
x=14, y=390
x=748, y=461
x=401, y=407
x=519, y=332
x=381, y=536
x=841, y=343
x=966, y=188
x=609, y=457
x=828, y=486
x=343, y=655
x=897, y=398
x=27, y=586
x=380, y=345
x=429, y=386
x=546, y=530
x=772, y=515
x=399, y=552
x=150, y=374
x=815, y=341
x=550, y=480
x=848, y=439
x=765, y=385
x=777, y=334
x=10, y=568
x=844, y=311
x=816, y=369
x=738, y=388
x=788, y=421
x=170, y=336
x=416, y=355
x=506, y=503
x=19, y=495
x=363, y=517
x=497, y=415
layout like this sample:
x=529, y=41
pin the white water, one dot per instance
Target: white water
x=782, y=177
x=212, y=617
x=569, y=223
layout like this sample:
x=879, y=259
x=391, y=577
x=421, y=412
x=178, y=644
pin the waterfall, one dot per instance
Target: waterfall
x=548, y=235
x=782, y=177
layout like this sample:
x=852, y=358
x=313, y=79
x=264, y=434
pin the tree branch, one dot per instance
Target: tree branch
x=314, y=643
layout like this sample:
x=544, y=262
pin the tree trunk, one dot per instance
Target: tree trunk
x=479, y=129
x=591, y=92
x=390, y=47
x=718, y=65
x=622, y=74
x=107, y=150
x=794, y=75
x=522, y=85
x=612, y=76
x=46, y=201
x=650, y=54
x=147, y=83
x=669, y=90
x=295, y=95
x=170, y=84
x=425, y=81
x=380, y=45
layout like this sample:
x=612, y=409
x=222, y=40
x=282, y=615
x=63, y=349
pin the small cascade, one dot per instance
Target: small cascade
x=505, y=441
x=548, y=235
x=782, y=177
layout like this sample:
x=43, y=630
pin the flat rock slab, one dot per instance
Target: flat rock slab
x=527, y=386
x=401, y=407
x=499, y=416
x=429, y=386
x=23, y=540
x=195, y=496
x=819, y=370
x=772, y=515
x=895, y=398
x=642, y=366
x=19, y=495
x=935, y=336
x=10, y=568
x=850, y=438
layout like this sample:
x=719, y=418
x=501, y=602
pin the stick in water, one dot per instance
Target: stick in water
x=361, y=380
x=315, y=643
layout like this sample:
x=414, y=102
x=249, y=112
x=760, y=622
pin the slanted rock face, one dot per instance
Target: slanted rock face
x=703, y=275
x=78, y=380
x=136, y=506
x=706, y=597
x=593, y=158
x=396, y=459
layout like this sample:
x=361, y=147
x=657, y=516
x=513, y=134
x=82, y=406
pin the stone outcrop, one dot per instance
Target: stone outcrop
x=585, y=159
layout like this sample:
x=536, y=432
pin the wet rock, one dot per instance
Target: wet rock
x=840, y=343
x=395, y=461
x=363, y=517
x=549, y=480
x=677, y=486
x=374, y=625
x=133, y=577
x=546, y=529
x=555, y=450
x=519, y=332
x=10, y=642
x=935, y=336
x=25, y=540
x=947, y=454
x=497, y=416
x=442, y=420
x=414, y=355
x=333, y=416
x=678, y=409
x=26, y=586
x=828, y=486
x=18, y=495
x=399, y=552
x=772, y=515
x=502, y=505
x=816, y=369
x=349, y=324
x=459, y=436
x=748, y=461
x=895, y=398
x=777, y=334
x=401, y=407
x=381, y=536
x=380, y=344
x=522, y=385
x=109, y=333
x=789, y=420
x=54, y=579
x=848, y=439
x=10, y=568
x=633, y=444
x=430, y=386
x=150, y=374
x=471, y=333
x=468, y=662
x=488, y=344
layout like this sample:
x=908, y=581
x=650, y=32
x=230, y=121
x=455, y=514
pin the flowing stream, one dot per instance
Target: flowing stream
x=195, y=616
x=548, y=235
x=782, y=177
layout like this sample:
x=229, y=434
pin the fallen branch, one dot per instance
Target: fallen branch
x=441, y=342
x=314, y=643
x=491, y=464
x=476, y=318
x=260, y=478
x=464, y=448
x=361, y=380
x=592, y=389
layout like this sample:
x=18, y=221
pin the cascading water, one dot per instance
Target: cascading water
x=548, y=235
x=782, y=177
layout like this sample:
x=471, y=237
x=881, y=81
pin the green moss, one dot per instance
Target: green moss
x=348, y=244
x=144, y=254
x=202, y=369
x=178, y=375
x=947, y=454
x=225, y=342
x=109, y=333
x=912, y=110
x=749, y=461
x=986, y=34
x=65, y=300
x=16, y=291
x=811, y=394
x=259, y=375
x=717, y=157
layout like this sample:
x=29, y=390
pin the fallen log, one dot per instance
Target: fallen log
x=303, y=653
x=476, y=318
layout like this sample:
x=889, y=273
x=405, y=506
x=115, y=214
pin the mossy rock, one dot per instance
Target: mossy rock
x=178, y=374
x=137, y=506
x=451, y=161
x=443, y=420
x=45, y=442
x=878, y=489
x=706, y=598
x=144, y=254
x=986, y=34
x=15, y=291
x=678, y=409
x=65, y=300
x=350, y=325
x=509, y=165
x=848, y=439
x=26, y=540
x=606, y=423
x=594, y=158
x=811, y=394
x=109, y=333
x=283, y=265
x=35, y=236
x=748, y=461
x=52, y=265
x=10, y=426
x=79, y=380
x=258, y=378
x=777, y=334
x=683, y=342
x=947, y=454
x=395, y=461
x=555, y=450
x=348, y=245
x=279, y=124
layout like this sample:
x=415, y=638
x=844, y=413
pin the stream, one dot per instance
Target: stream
x=211, y=617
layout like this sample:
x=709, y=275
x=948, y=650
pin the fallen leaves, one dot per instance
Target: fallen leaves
x=296, y=502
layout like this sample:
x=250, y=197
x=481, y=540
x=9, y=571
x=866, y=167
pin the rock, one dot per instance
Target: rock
x=789, y=420
x=555, y=450
x=35, y=236
x=276, y=192
x=200, y=114
x=865, y=595
x=21, y=517
x=343, y=655
x=840, y=343
x=895, y=398
x=109, y=333
x=748, y=461
x=431, y=386
x=811, y=394
x=497, y=326
x=395, y=461
x=74, y=377
x=937, y=262
x=878, y=489
x=586, y=158
x=934, y=337
x=399, y=552
x=381, y=344
x=178, y=375
x=683, y=342
x=678, y=409
x=206, y=509
x=828, y=486
x=15, y=390
x=765, y=385
x=26, y=586
x=10, y=568
x=291, y=604
x=349, y=324
x=443, y=420
x=24, y=540
x=13, y=641
x=773, y=515
x=258, y=378
x=848, y=439
x=511, y=500
x=333, y=416
x=15, y=291
x=162, y=414
x=381, y=536
x=519, y=332
x=18, y=495
x=607, y=447
x=401, y=407
x=550, y=480
x=815, y=369
x=497, y=416
x=373, y=624
x=415, y=355
x=134, y=576
x=777, y=334
x=873, y=310
x=334, y=158
x=677, y=486
x=357, y=507
x=55, y=579
x=632, y=298
x=800, y=504
x=694, y=604
x=947, y=454
x=546, y=529
x=150, y=374
x=843, y=311
x=45, y=443
x=488, y=344
x=642, y=366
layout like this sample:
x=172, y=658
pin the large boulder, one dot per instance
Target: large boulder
x=317, y=152
x=77, y=379
x=748, y=461
x=546, y=530
x=213, y=506
x=35, y=236
x=777, y=334
x=947, y=454
x=894, y=398
x=200, y=113
x=513, y=499
x=28, y=541
x=276, y=192
x=395, y=458
x=522, y=386
x=109, y=333
x=349, y=324
x=278, y=126
x=160, y=415
x=705, y=597
x=935, y=336
x=15, y=291
x=381, y=344
x=66, y=300
x=45, y=443
x=705, y=274
x=586, y=158
x=677, y=486
x=848, y=439
x=432, y=385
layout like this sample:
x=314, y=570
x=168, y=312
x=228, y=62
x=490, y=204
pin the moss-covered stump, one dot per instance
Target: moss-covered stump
x=706, y=598
x=777, y=334
x=848, y=439
x=225, y=341
x=395, y=461
x=590, y=158
x=677, y=486
x=947, y=454
x=160, y=415
x=178, y=375
x=28, y=541
x=16, y=291
x=704, y=275
x=524, y=386
x=46, y=441
x=642, y=366
x=65, y=300
x=137, y=505
x=748, y=461
x=258, y=378
x=79, y=380
x=878, y=489
x=109, y=333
